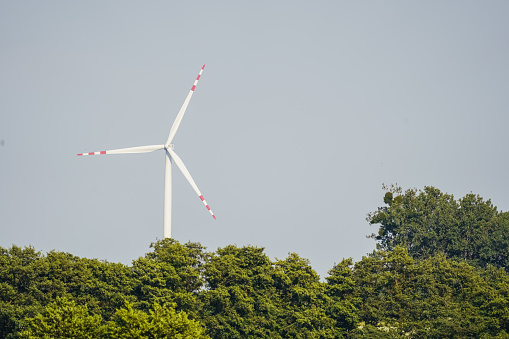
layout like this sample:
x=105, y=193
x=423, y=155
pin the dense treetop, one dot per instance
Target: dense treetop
x=439, y=272
x=428, y=222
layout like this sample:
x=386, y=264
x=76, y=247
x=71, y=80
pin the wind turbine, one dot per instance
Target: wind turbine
x=170, y=156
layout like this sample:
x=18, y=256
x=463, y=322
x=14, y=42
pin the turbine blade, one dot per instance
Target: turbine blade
x=180, y=114
x=140, y=149
x=186, y=173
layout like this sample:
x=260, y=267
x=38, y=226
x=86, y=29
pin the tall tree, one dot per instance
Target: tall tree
x=304, y=301
x=160, y=322
x=171, y=273
x=29, y=281
x=249, y=296
x=432, y=298
x=64, y=319
x=240, y=299
x=344, y=294
x=428, y=222
x=17, y=273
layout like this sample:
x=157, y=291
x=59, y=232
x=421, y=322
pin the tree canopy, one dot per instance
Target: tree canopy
x=440, y=271
x=427, y=222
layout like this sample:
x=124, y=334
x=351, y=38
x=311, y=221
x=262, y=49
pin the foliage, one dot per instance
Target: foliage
x=30, y=280
x=64, y=319
x=432, y=298
x=16, y=275
x=171, y=273
x=249, y=296
x=160, y=322
x=440, y=272
x=429, y=222
x=345, y=299
x=240, y=299
x=303, y=300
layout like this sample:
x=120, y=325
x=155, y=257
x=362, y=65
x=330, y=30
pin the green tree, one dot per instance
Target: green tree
x=373, y=332
x=171, y=273
x=29, y=281
x=16, y=276
x=344, y=294
x=432, y=298
x=304, y=301
x=64, y=319
x=240, y=300
x=430, y=222
x=495, y=301
x=160, y=322
x=249, y=296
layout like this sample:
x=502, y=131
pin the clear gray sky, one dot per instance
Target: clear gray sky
x=303, y=111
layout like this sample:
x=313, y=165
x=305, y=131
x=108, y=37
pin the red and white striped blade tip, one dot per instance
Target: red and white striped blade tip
x=93, y=153
x=208, y=207
x=138, y=149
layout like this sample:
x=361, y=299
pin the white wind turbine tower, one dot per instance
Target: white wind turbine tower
x=170, y=155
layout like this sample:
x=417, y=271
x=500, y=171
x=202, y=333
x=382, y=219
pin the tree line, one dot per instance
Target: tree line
x=439, y=271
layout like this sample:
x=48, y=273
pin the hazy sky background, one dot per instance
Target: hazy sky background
x=303, y=111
